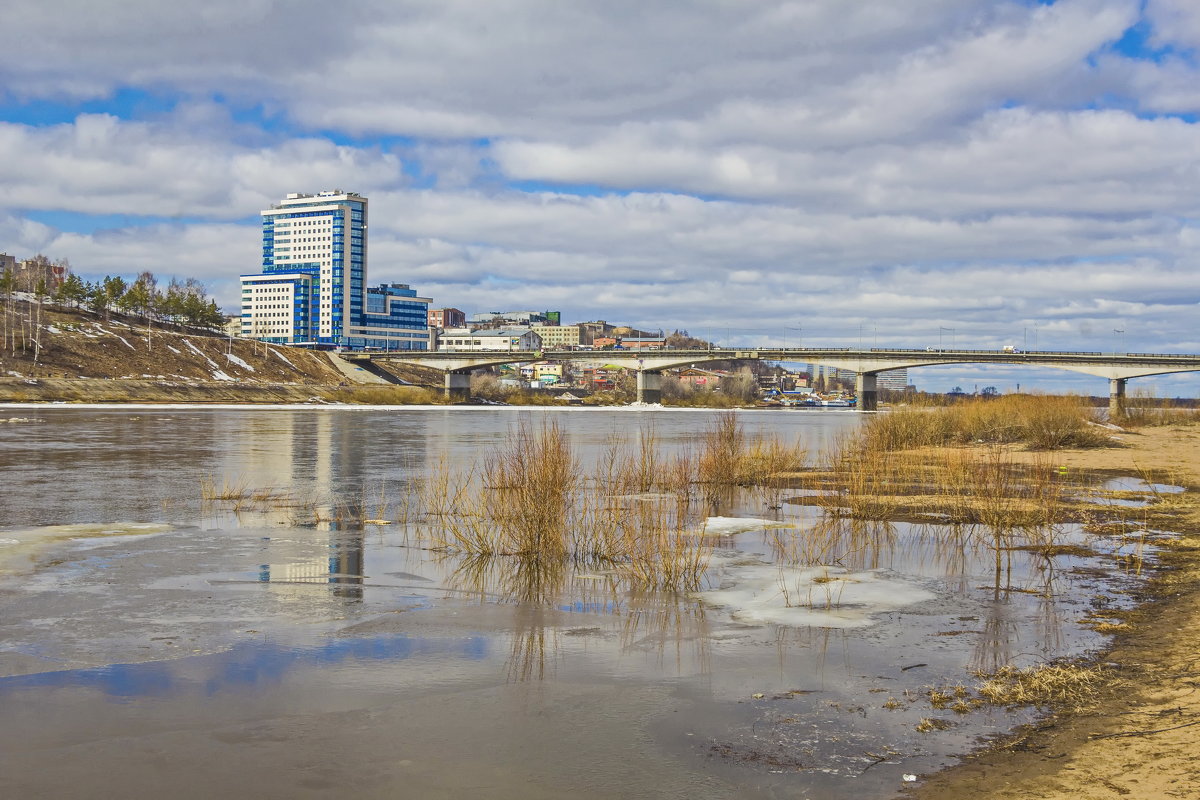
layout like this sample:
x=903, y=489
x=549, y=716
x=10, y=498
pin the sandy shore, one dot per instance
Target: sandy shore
x=1142, y=738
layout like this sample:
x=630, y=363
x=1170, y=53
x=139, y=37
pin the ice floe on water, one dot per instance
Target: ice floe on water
x=728, y=526
x=20, y=548
x=820, y=596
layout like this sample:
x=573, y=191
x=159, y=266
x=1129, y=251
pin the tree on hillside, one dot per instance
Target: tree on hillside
x=142, y=297
x=40, y=293
x=682, y=340
x=8, y=283
x=111, y=289
x=73, y=291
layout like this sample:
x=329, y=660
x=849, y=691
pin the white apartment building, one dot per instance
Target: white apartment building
x=489, y=339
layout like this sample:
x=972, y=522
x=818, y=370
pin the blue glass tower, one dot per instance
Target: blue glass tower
x=312, y=289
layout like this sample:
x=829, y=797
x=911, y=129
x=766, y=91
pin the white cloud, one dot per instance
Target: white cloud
x=99, y=164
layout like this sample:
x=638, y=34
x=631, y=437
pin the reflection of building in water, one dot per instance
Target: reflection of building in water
x=341, y=567
x=318, y=473
x=296, y=451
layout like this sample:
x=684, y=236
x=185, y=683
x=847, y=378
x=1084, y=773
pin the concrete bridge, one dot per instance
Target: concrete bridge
x=1118, y=368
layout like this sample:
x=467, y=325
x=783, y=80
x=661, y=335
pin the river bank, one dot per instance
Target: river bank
x=1140, y=737
x=110, y=390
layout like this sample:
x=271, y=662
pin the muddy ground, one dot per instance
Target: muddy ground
x=1142, y=736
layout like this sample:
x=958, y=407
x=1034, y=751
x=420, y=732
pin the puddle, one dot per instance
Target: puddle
x=1145, y=493
x=1139, y=485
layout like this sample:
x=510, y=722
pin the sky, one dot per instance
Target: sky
x=965, y=173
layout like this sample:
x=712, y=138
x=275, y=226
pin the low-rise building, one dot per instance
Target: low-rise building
x=642, y=342
x=590, y=331
x=543, y=371
x=447, y=318
x=706, y=378
x=470, y=339
x=559, y=337
x=31, y=272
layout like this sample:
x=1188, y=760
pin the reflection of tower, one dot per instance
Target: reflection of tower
x=346, y=564
x=294, y=454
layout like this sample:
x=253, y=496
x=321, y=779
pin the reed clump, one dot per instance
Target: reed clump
x=226, y=489
x=1142, y=409
x=729, y=458
x=536, y=479
x=531, y=501
x=1042, y=422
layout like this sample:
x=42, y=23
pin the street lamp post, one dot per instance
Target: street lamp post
x=1120, y=331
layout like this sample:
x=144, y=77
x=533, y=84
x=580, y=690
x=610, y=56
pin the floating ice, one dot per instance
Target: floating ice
x=819, y=597
x=20, y=547
x=728, y=526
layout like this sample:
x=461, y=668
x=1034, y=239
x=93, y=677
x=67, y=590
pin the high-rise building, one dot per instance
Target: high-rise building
x=313, y=285
x=896, y=379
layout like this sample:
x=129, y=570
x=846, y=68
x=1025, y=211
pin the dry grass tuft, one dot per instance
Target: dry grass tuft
x=930, y=724
x=225, y=490
x=1063, y=684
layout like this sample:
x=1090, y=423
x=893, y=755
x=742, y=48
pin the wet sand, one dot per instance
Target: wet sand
x=1142, y=737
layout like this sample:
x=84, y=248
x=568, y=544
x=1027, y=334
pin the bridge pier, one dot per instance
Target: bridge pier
x=866, y=387
x=458, y=386
x=1116, y=397
x=649, y=386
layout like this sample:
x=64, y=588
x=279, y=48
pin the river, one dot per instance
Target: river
x=155, y=643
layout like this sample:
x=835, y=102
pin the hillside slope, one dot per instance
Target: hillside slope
x=83, y=356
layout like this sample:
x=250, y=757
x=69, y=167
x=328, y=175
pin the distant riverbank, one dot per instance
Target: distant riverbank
x=110, y=390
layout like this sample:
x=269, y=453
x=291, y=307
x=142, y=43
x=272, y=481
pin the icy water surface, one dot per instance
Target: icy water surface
x=152, y=644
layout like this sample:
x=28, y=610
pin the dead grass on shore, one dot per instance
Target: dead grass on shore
x=1041, y=422
x=389, y=395
x=1069, y=685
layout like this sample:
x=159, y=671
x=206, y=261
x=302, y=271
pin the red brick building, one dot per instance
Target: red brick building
x=447, y=318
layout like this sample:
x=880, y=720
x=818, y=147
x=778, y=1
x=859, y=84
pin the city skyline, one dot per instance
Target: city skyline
x=967, y=172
